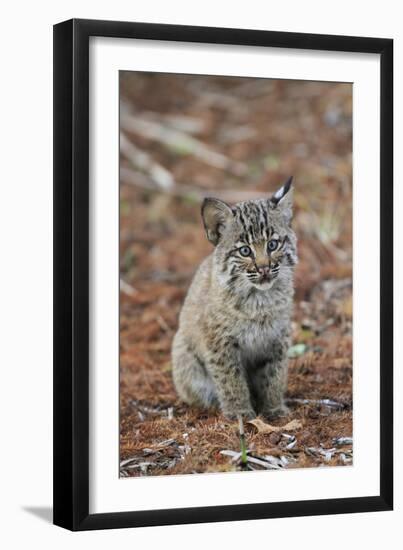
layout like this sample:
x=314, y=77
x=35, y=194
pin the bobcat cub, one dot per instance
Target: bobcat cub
x=231, y=347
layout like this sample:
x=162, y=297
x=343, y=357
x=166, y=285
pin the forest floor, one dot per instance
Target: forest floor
x=186, y=137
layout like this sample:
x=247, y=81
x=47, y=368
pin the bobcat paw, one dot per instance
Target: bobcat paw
x=247, y=414
x=276, y=412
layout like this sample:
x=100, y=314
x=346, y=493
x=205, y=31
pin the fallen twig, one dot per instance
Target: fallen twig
x=341, y=441
x=144, y=181
x=176, y=139
x=126, y=288
x=319, y=402
x=184, y=123
x=158, y=410
x=142, y=160
x=215, y=98
x=249, y=461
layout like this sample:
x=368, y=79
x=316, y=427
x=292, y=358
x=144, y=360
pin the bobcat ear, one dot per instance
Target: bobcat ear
x=216, y=215
x=282, y=192
x=282, y=199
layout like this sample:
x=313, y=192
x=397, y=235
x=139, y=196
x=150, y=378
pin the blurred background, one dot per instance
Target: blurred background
x=184, y=137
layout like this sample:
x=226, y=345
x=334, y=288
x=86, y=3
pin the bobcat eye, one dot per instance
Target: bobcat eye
x=272, y=245
x=245, y=251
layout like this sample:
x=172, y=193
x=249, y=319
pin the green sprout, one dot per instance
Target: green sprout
x=244, y=458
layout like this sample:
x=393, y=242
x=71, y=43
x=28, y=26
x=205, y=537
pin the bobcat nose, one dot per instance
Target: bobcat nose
x=263, y=270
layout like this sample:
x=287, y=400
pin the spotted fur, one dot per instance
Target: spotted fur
x=231, y=347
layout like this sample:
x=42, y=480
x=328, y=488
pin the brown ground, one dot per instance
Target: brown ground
x=268, y=130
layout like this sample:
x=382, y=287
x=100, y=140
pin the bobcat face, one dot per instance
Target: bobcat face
x=259, y=261
x=255, y=245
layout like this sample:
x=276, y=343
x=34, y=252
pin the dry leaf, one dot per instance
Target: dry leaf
x=347, y=307
x=264, y=428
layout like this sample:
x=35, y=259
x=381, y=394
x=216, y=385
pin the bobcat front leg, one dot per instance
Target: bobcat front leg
x=270, y=384
x=229, y=378
x=269, y=388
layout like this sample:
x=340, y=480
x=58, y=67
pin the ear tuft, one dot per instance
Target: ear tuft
x=281, y=193
x=282, y=200
x=216, y=215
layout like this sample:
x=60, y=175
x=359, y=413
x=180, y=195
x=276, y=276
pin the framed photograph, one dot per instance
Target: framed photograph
x=223, y=303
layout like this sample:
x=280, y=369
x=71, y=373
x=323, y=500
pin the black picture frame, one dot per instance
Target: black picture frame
x=71, y=273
